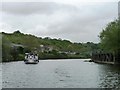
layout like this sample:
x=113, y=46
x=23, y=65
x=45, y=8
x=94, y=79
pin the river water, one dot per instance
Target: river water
x=69, y=73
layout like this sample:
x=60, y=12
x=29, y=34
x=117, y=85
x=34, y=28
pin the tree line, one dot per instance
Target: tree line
x=16, y=44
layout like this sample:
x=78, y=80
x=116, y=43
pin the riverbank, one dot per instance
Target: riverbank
x=86, y=59
x=106, y=58
x=106, y=62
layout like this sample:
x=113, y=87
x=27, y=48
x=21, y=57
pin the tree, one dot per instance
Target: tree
x=5, y=49
x=110, y=37
x=17, y=32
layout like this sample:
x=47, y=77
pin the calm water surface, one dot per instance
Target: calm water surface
x=60, y=74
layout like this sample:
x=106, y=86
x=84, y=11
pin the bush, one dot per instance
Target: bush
x=20, y=57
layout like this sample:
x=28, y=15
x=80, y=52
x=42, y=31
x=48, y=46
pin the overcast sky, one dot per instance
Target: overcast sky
x=73, y=20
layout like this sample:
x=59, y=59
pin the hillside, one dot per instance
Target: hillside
x=15, y=45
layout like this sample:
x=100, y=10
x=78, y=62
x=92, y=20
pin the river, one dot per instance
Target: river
x=69, y=73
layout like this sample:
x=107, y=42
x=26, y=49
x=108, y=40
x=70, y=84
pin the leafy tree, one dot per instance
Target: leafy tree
x=110, y=37
x=17, y=32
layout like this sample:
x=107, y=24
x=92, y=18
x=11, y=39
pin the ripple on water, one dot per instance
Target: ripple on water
x=69, y=73
x=111, y=80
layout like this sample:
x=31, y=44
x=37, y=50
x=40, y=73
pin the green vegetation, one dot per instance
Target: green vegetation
x=110, y=37
x=0, y=48
x=15, y=45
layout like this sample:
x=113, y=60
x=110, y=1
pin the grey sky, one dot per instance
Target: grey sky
x=77, y=21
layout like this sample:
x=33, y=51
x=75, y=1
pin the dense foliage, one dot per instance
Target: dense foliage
x=110, y=37
x=15, y=44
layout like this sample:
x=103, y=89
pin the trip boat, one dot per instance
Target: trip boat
x=31, y=58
